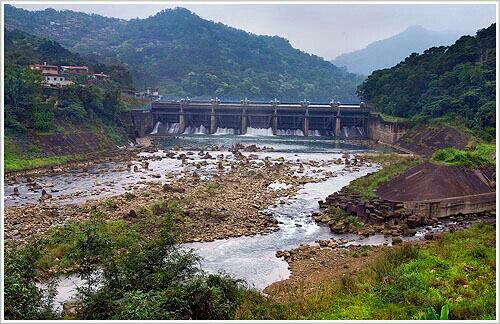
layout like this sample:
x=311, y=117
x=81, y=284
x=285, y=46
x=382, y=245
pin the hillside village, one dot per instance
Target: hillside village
x=60, y=76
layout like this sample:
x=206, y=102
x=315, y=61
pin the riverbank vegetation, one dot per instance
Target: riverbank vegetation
x=480, y=156
x=413, y=281
x=125, y=275
x=456, y=82
x=17, y=160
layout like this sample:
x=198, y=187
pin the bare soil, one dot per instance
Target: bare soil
x=424, y=141
x=432, y=181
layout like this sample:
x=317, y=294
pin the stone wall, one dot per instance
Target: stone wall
x=411, y=214
x=440, y=208
x=383, y=131
x=374, y=211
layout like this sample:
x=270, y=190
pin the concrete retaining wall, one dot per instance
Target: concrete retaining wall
x=453, y=206
x=141, y=122
x=385, y=132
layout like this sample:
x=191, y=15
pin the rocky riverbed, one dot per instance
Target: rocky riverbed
x=221, y=193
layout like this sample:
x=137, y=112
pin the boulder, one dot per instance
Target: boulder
x=429, y=236
x=396, y=240
x=169, y=188
x=70, y=309
x=131, y=214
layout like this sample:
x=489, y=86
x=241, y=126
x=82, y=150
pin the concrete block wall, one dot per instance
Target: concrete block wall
x=453, y=206
x=386, y=132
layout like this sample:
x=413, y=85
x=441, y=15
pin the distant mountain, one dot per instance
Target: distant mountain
x=183, y=54
x=390, y=51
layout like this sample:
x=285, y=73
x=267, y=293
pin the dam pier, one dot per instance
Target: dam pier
x=245, y=117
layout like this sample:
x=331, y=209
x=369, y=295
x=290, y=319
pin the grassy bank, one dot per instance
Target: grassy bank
x=16, y=160
x=393, y=119
x=392, y=165
x=406, y=282
x=482, y=155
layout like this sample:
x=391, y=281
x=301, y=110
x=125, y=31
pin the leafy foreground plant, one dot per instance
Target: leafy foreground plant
x=432, y=315
x=23, y=298
x=130, y=277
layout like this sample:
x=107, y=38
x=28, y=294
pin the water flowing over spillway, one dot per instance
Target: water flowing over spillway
x=225, y=131
x=174, y=129
x=259, y=131
x=353, y=132
x=155, y=130
x=196, y=130
x=289, y=132
x=166, y=129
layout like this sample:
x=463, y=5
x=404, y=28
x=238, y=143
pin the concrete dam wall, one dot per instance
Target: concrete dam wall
x=342, y=121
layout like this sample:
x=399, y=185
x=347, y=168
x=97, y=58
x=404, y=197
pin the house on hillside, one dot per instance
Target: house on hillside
x=56, y=80
x=79, y=70
x=45, y=69
x=100, y=76
x=51, y=74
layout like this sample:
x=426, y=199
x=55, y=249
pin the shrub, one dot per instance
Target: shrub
x=23, y=299
x=149, y=278
x=43, y=120
x=482, y=155
x=75, y=111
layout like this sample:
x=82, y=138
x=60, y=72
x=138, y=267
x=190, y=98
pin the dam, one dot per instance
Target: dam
x=342, y=121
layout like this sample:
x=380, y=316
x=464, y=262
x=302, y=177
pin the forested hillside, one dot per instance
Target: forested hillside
x=186, y=55
x=457, y=81
x=50, y=124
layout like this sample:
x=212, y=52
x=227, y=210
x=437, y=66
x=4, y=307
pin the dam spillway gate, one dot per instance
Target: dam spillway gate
x=342, y=121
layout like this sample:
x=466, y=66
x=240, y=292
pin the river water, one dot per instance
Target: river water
x=251, y=258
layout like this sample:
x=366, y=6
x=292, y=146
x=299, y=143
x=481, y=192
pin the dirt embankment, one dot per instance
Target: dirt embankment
x=70, y=140
x=73, y=143
x=425, y=140
x=432, y=181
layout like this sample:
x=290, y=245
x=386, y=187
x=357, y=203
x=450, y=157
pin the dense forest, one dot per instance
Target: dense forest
x=446, y=81
x=186, y=55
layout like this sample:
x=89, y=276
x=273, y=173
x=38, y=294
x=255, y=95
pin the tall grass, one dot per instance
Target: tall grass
x=482, y=155
x=456, y=272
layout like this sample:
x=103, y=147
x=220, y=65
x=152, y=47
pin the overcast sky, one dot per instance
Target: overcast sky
x=326, y=30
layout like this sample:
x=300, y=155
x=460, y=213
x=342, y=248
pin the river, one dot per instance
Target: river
x=251, y=258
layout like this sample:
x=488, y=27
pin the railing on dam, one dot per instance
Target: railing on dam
x=216, y=116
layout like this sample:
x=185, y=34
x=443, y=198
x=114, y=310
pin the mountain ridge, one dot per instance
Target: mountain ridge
x=186, y=55
x=390, y=51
